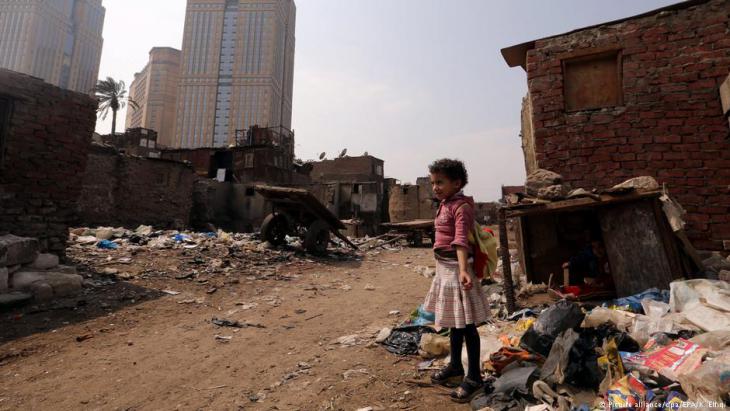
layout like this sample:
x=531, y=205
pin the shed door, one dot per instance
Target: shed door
x=635, y=249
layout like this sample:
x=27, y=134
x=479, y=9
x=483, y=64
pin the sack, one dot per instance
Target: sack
x=484, y=244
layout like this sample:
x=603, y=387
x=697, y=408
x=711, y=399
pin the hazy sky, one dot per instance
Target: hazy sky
x=407, y=81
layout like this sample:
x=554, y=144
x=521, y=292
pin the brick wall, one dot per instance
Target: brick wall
x=45, y=150
x=348, y=169
x=121, y=190
x=669, y=124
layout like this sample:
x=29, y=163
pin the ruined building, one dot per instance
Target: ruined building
x=636, y=96
x=43, y=154
x=352, y=188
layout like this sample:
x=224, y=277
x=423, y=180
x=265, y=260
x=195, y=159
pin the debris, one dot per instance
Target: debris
x=406, y=340
x=171, y=292
x=349, y=373
x=107, y=245
x=643, y=183
x=222, y=322
x=433, y=345
x=348, y=340
x=383, y=334
x=394, y=312
x=549, y=324
x=223, y=338
x=627, y=392
x=369, y=287
x=84, y=337
x=541, y=178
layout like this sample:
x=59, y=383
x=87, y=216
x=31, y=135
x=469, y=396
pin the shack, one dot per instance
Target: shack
x=642, y=234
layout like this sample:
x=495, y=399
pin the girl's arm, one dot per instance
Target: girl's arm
x=462, y=254
x=463, y=222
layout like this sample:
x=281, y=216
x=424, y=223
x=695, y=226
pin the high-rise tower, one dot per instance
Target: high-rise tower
x=237, y=69
x=57, y=40
x=155, y=90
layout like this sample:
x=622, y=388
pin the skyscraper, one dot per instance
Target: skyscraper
x=236, y=71
x=57, y=40
x=155, y=90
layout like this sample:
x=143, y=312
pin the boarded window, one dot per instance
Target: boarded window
x=5, y=111
x=592, y=82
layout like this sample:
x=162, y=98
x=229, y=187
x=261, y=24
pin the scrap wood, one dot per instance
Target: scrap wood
x=396, y=237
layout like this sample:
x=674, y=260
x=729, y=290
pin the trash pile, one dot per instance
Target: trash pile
x=184, y=255
x=663, y=349
x=26, y=274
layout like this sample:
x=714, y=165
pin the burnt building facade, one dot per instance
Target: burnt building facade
x=637, y=96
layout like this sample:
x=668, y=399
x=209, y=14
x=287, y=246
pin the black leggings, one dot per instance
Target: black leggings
x=457, y=337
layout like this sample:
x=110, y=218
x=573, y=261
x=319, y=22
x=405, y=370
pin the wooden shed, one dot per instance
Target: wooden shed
x=643, y=249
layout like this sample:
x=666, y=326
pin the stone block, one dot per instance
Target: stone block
x=42, y=291
x=541, y=178
x=13, y=299
x=20, y=250
x=44, y=262
x=3, y=280
x=62, y=284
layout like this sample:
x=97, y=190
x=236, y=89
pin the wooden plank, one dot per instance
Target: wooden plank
x=410, y=224
x=669, y=241
x=634, y=247
x=509, y=290
x=725, y=96
x=578, y=203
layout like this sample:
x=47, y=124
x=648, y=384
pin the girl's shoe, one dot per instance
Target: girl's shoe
x=447, y=376
x=467, y=390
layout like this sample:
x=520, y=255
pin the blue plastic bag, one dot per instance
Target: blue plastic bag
x=422, y=317
x=107, y=245
x=634, y=301
x=182, y=238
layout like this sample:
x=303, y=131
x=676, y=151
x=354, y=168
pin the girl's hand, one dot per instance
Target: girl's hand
x=465, y=280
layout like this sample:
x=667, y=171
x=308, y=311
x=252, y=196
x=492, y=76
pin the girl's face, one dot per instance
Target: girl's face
x=444, y=188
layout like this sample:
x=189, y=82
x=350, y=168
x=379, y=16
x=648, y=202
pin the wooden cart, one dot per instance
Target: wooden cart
x=414, y=230
x=296, y=212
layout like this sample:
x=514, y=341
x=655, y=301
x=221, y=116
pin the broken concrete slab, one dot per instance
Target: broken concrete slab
x=541, y=178
x=42, y=291
x=553, y=192
x=45, y=262
x=13, y=299
x=642, y=183
x=19, y=250
x=62, y=284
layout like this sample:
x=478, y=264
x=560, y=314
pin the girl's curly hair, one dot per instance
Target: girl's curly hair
x=451, y=168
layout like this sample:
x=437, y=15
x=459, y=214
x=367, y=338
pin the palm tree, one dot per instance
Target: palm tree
x=112, y=95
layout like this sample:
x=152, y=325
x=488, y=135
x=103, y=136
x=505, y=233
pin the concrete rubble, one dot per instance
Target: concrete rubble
x=27, y=274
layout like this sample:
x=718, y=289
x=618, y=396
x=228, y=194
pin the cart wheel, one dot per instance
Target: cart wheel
x=317, y=237
x=274, y=229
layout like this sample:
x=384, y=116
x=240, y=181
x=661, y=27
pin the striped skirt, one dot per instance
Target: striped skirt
x=455, y=307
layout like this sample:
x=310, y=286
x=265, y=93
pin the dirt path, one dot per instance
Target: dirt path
x=153, y=351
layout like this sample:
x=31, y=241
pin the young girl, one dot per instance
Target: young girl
x=456, y=297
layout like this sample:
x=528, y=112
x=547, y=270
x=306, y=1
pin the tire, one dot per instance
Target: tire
x=274, y=229
x=317, y=237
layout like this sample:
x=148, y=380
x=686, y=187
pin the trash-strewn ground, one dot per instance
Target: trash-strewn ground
x=140, y=336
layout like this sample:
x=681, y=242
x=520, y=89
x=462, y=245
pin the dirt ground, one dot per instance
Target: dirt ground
x=128, y=345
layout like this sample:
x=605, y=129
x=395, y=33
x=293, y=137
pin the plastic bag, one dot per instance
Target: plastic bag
x=405, y=340
x=713, y=340
x=107, y=245
x=549, y=324
x=554, y=369
x=622, y=320
x=634, y=301
x=713, y=293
